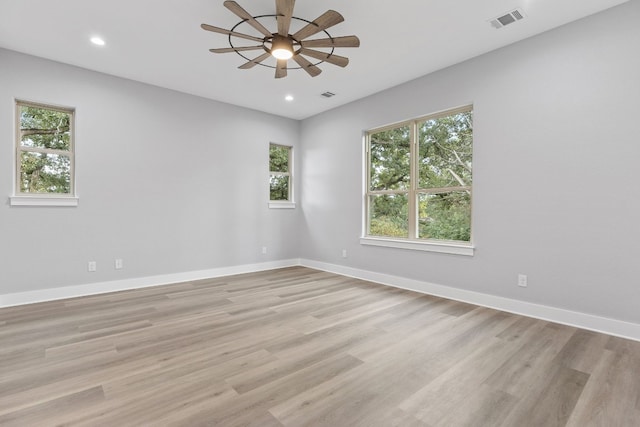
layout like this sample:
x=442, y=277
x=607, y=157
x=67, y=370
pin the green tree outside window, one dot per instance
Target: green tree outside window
x=420, y=178
x=279, y=173
x=44, y=150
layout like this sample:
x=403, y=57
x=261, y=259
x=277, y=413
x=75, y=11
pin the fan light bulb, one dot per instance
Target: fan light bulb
x=282, y=53
x=282, y=47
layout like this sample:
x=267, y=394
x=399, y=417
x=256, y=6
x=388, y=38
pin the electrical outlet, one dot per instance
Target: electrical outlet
x=118, y=264
x=264, y=249
x=522, y=280
x=92, y=266
x=344, y=253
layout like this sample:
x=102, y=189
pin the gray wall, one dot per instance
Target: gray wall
x=556, y=154
x=173, y=183
x=168, y=182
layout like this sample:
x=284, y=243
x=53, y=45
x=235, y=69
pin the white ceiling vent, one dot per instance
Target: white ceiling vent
x=328, y=94
x=507, y=18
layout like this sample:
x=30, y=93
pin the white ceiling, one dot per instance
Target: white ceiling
x=161, y=43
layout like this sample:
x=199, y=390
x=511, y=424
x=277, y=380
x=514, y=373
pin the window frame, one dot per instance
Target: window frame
x=412, y=242
x=20, y=198
x=289, y=203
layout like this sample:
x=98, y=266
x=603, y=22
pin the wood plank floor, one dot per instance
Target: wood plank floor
x=300, y=347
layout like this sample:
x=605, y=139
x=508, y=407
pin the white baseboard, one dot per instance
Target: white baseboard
x=590, y=322
x=30, y=297
x=567, y=317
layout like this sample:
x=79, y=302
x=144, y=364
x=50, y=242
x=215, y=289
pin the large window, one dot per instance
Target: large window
x=44, y=151
x=280, y=183
x=419, y=176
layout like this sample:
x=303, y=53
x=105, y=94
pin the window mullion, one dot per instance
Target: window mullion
x=367, y=193
x=375, y=192
x=413, y=182
x=439, y=190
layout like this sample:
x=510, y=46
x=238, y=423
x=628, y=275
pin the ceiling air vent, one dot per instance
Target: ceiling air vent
x=507, y=18
x=328, y=94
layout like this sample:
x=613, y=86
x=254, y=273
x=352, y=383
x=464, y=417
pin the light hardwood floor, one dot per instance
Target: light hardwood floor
x=300, y=347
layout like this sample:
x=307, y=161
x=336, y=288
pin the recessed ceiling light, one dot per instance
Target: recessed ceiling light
x=288, y=98
x=97, y=41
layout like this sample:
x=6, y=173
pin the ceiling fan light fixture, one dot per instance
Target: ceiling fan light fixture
x=281, y=47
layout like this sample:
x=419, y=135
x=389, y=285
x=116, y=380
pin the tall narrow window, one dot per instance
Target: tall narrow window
x=280, y=183
x=44, y=150
x=389, y=181
x=419, y=179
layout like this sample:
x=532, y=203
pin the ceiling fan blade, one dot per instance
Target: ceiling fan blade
x=235, y=49
x=238, y=10
x=346, y=41
x=281, y=68
x=321, y=23
x=334, y=59
x=284, y=10
x=255, y=61
x=306, y=65
x=232, y=33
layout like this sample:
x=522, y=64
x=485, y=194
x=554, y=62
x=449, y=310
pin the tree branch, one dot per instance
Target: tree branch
x=463, y=164
x=460, y=180
x=458, y=159
x=392, y=181
x=457, y=178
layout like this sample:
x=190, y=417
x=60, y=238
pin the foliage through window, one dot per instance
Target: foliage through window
x=419, y=178
x=279, y=173
x=44, y=150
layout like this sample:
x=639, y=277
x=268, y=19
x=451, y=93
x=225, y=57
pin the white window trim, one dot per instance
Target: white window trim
x=275, y=204
x=43, y=199
x=427, y=246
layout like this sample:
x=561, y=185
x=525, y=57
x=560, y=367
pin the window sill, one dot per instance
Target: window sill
x=64, y=201
x=444, y=247
x=282, y=205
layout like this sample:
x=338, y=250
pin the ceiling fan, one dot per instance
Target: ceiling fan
x=284, y=46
